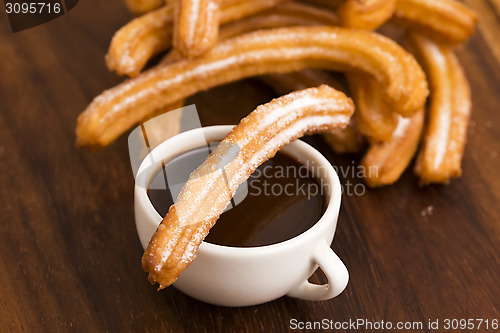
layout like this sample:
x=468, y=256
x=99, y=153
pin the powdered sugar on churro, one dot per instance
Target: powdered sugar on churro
x=281, y=121
x=440, y=141
x=403, y=124
x=193, y=17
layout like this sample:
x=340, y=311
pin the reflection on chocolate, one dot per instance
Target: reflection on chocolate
x=283, y=201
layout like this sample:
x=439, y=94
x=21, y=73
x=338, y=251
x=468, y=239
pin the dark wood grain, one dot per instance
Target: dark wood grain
x=70, y=255
x=489, y=22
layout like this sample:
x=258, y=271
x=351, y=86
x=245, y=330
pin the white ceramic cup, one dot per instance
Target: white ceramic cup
x=243, y=276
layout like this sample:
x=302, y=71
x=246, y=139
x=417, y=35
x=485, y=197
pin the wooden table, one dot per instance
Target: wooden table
x=70, y=255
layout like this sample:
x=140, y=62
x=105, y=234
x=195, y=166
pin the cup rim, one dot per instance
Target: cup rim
x=331, y=179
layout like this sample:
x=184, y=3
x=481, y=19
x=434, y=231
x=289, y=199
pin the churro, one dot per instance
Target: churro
x=139, y=40
x=374, y=118
x=284, y=15
x=210, y=187
x=133, y=45
x=447, y=21
x=262, y=52
x=366, y=14
x=440, y=157
x=196, y=26
x=385, y=162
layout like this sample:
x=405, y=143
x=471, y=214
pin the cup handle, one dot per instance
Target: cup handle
x=335, y=271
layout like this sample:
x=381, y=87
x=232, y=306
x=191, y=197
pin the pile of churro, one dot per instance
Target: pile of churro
x=411, y=96
x=290, y=44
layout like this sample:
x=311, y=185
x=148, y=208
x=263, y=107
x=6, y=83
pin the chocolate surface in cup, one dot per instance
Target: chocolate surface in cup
x=284, y=199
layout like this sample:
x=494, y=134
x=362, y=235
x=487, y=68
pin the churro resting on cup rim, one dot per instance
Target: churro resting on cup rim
x=211, y=186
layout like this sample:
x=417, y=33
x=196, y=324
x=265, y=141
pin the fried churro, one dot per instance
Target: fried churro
x=374, y=118
x=283, y=15
x=385, y=162
x=196, y=26
x=138, y=41
x=262, y=52
x=210, y=187
x=447, y=21
x=440, y=157
x=366, y=14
